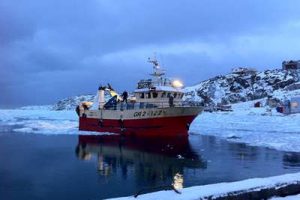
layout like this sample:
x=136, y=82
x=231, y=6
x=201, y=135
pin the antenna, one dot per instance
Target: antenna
x=154, y=62
x=156, y=67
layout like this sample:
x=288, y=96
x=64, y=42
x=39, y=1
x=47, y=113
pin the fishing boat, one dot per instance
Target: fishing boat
x=155, y=108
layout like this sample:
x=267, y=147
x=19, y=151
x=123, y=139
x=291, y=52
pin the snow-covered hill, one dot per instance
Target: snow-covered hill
x=71, y=102
x=242, y=87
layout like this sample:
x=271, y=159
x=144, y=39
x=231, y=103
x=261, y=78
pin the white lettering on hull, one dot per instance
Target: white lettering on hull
x=150, y=113
x=142, y=113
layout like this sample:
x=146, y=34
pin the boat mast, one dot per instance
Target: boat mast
x=157, y=71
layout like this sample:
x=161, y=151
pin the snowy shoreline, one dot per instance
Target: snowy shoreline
x=213, y=191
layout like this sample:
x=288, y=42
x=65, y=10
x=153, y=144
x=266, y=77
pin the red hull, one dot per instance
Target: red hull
x=165, y=126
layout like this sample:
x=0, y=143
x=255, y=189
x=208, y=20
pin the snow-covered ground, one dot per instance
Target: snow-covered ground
x=221, y=189
x=254, y=126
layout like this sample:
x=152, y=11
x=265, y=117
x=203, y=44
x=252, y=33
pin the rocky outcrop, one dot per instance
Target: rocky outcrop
x=71, y=102
x=239, y=87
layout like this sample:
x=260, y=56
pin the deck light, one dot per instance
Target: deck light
x=177, y=84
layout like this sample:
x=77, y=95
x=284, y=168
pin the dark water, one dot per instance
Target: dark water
x=95, y=167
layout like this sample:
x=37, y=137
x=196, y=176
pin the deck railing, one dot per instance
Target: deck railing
x=148, y=105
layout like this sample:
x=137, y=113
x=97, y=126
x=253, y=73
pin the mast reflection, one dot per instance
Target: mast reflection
x=151, y=158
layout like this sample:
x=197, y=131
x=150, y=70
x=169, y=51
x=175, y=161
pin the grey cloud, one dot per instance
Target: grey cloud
x=58, y=47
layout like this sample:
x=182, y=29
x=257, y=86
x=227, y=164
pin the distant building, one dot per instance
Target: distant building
x=290, y=106
x=291, y=65
x=244, y=71
x=295, y=105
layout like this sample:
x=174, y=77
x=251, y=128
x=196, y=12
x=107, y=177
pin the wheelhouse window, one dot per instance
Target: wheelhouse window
x=142, y=95
x=154, y=94
x=149, y=95
x=163, y=95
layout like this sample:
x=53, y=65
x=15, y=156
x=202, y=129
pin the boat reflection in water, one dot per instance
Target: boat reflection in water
x=148, y=158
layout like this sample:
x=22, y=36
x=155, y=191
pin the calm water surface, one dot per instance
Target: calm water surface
x=97, y=167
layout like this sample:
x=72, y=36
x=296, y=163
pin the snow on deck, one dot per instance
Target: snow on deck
x=222, y=189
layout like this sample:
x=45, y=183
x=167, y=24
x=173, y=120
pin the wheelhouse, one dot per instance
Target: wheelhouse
x=159, y=90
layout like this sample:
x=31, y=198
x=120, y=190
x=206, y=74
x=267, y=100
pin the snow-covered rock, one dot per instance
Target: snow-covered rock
x=71, y=102
x=241, y=87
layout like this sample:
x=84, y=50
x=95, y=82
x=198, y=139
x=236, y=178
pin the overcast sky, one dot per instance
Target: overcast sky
x=52, y=49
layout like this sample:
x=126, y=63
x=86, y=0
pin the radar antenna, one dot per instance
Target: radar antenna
x=156, y=68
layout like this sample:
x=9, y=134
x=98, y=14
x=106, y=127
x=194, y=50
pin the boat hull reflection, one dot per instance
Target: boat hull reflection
x=151, y=157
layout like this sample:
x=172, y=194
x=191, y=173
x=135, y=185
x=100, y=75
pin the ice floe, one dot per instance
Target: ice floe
x=41, y=122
